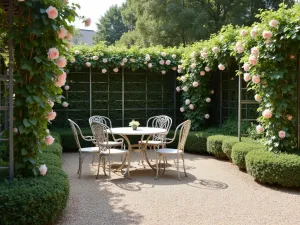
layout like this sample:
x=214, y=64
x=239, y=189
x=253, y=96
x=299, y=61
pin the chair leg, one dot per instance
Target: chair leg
x=109, y=168
x=104, y=164
x=79, y=164
x=93, y=158
x=99, y=163
x=80, y=167
x=157, y=169
x=178, y=167
x=183, y=165
x=165, y=162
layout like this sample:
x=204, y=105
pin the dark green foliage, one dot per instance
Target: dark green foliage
x=214, y=145
x=34, y=201
x=4, y=151
x=272, y=168
x=228, y=144
x=55, y=148
x=50, y=159
x=241, y=149
x=56, y=136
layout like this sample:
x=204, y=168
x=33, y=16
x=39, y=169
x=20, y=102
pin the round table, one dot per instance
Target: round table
x=140, y=131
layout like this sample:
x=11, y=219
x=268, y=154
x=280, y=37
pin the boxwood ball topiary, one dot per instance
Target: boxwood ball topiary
x=268, y=167
x=214, y=145
x=241, y=149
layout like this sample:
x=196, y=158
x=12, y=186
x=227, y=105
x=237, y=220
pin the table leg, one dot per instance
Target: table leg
x=127, y=173
x=144, y=149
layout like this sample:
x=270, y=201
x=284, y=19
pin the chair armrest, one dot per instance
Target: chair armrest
x=119, y=140
x=88, y=138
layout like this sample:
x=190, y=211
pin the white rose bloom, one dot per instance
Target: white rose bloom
x=163, y=72
x=43, y=170
x=95, y=57
x=72, y=60
x=182, y=109
x=207, y=116
x=67, y=87
x=116, y=70
x=77, y=52
x=104, y=70
x=174, y=56
x=187, y=102
x=125, y=60
x=65, y=104
x=185, y=88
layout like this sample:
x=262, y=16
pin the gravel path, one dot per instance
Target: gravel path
x=214, y=193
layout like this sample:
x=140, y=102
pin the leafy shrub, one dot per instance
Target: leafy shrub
x=228, y=144
x=34, y=201
x=57, y=137
x=214, y=145
x=272, y=168
x=50, y=159
x=241, y=149
x=55, y=148
x=4, y=151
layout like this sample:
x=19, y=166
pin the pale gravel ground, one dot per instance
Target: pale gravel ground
x=214, y=193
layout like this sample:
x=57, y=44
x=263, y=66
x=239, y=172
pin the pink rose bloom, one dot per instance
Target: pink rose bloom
x=87, y=22
x=51, y=115
x=148, y=58
x=67, y=87
x=163, y=72
x=203, y=54
x=193, y=65
x=150, y=65
x=215, y=49
x=253, y=33
x=88, y=64
x=61, y=62
x=240, y=49
x=255, y=79
x=212, y=92
x=254, y=51
x=122, y=64
x=187, y=101
x=61, y=80
x=168, y=62
x=246, y=67
x=183, y=78
x=182, y=109
x=104, y=70
x=66, y=1
x=267, y=34
x=247, y=77
x=104, y=60
x=273, y=23
x=267, y=113
x=95, y=57
x=174, y=68
x=202, y=73
x=62, y=33
x=116, y=70
x=221, y=67
x=53, y=53
x=178, y=89
x=163, y=54
x=206, y=116
x=292, y=56
x=281, y=134
x=289, y=117
x=207, y=69
x=257, y=97
x=259, y=129
x=208, y=100
x=253, y=60
x=243, y=33
x=174, y=56
x=125, y=60
x=49, y=140
x=191, y=106
x=195, y=84
x=162, y=62
x=52, y=12
x=43, y=170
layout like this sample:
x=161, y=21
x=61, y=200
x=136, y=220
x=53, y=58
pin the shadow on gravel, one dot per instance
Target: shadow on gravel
x=292, y=191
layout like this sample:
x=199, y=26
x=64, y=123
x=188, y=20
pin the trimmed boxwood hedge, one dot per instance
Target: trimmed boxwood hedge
x=272, y=168
x=38, y=200
x=214, y=145
x=241, y=149
x=228, y=143
x=57, y=137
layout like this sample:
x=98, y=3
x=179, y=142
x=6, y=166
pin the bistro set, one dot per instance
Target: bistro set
x=154, y=137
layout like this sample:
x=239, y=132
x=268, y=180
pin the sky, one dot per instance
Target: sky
x=93, y=9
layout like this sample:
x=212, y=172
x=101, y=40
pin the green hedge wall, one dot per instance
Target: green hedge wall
x=228, y=143
x=241, y=149
x=39, y=200
x=214, y=145
x=272, y=168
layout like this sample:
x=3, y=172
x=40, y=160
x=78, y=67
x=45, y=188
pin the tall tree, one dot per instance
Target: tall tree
x=110, y=26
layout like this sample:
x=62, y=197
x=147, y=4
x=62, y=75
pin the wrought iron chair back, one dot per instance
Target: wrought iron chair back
x=100, y=119
x=101, y=136
x=161, y=121
x=74, y=128
x=183, y=134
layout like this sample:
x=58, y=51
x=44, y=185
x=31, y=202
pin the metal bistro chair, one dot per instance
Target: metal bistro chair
x=82, y=151
x=179, y=152
x=106, y=121
x=162, y=121
x=101, y=134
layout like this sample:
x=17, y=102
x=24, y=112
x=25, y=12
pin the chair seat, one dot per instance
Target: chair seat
x=115, y=151
x=90, y=149
x=169, y=151
x=151, y=142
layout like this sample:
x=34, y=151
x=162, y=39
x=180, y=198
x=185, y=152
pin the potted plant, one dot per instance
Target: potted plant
x=134, y=124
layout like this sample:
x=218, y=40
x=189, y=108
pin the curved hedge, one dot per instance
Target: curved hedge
x=272, y=168
x=214, y=145
x=34, y=201
x=228, y=144
x=241, y=149
x=55, y=148
x=50, y=159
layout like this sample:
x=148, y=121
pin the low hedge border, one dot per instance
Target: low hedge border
x=37, y=200
x=272, y=168
x=214, y=145
x=241, y=149
x=57, y=137
x=228, y=143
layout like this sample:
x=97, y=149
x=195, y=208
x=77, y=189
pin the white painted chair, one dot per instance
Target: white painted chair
x=162, y=153
x=106, y=121
x=101, y=134
x=82, y=151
